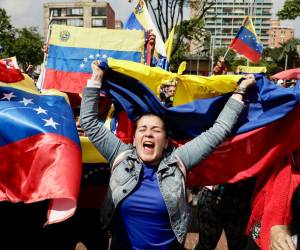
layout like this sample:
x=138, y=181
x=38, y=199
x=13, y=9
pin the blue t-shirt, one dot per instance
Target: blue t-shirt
x=144, y=215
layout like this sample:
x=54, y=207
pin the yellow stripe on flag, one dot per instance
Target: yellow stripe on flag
x=27, y=85
x=189, y=88
x=108, y=39
x=169, y=44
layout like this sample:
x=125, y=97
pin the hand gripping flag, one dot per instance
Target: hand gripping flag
x=140, y=19
x=72, y=49
x=40, y=150
x=246, y=42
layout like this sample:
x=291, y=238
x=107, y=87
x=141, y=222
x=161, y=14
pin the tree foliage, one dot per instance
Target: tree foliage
x=170, y=13
x=26, y=43
x=28, y=46
x=290, y=10
x=7, y=33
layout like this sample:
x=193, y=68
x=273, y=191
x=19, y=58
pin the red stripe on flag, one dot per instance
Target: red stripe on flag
x=249, y=154
x=45, y=166
x=72, y=82
x=240, y=47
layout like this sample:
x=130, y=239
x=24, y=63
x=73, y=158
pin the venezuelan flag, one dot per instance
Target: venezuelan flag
x=72, y=49
x=246, y=42
x=40, y=149
x=140, y=19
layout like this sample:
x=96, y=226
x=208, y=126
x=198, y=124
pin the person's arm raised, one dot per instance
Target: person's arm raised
x=200, y=147
x=103, y=139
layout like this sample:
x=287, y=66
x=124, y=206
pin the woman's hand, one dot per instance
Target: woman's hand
x=281, y=238
x=98, y=73
x=240, y=91
x=248, y=81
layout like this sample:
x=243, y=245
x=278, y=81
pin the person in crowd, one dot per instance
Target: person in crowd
x=219, y=205
x=167, y=93
x=29, y=70
x=224, y=207
x=146, y=203
x=280, y=82
x=220, y=67
x=283, y=237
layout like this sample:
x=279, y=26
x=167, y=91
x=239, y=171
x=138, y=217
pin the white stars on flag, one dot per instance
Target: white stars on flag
x=40, y=110
x=26, y=101
x=91, y=57
x=37, y=110
x=8, y=96
x=50, y=122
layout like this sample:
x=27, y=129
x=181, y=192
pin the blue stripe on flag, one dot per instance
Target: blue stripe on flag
x=72, y=59
x=26, y=114
x=132, y=23
x=250, y=39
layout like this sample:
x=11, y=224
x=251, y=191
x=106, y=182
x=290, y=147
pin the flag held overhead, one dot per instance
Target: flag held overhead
x=72, y=49
x=246, y=42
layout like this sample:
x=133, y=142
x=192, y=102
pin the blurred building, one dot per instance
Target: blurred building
x=279, y=34
x=81, y=13
x=225, y=17
x=119, y=24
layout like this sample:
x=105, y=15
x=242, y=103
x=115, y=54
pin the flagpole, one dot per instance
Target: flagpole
x=46, y=54
x=226, y=53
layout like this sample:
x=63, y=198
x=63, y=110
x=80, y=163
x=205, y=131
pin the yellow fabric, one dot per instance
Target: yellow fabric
x=142, y=15
x=27, y=85
x=249, y=25
x=251, y=69
x=108, y=39
x=169, y=44
x=181, y=68
x=89, y=153
x=189, y=88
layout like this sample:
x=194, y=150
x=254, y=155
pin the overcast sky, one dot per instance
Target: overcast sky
x=29, y=12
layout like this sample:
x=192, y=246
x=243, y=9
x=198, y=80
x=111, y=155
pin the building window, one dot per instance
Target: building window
x=258, y=11
x=74, y=11
x=98, y=22
x=55, y=12
x=75, y=22
x=59, y=21
x=98, y=11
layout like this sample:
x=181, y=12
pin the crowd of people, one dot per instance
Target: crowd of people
x=146, y=202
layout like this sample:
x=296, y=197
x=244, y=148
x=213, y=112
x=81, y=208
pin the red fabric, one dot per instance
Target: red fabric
x=239, y=46
x=241, y=156
x=42, y=167
x=125, y=128
x=73, y=82
x=287, y=74
x=10, y=75
x=272, y=200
